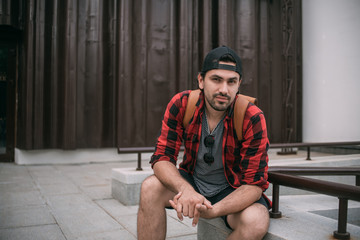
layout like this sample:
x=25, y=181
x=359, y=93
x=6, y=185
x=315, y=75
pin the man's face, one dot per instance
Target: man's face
x=220, y=87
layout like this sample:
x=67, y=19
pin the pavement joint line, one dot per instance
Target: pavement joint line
x=29, y=226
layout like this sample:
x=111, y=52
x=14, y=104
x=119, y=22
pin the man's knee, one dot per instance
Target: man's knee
x=252, y=222
x=152, y=190
x=261, y=223
x=257, y=215
x=149, y=186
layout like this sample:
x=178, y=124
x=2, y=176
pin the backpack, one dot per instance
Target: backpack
x=239, y=110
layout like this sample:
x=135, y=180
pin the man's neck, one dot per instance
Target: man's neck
x=213, y=116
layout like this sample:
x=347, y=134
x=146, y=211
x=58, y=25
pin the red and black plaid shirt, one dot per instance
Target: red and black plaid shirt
x=245, y=161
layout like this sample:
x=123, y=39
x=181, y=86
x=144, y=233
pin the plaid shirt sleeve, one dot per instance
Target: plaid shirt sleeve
x=170, y=138
x=254, y=164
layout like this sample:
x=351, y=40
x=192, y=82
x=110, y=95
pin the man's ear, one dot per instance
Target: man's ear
x=200, y=81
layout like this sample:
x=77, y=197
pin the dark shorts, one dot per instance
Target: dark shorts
x=218, y=197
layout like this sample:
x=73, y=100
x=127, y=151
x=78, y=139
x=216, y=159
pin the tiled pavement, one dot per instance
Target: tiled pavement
x=70, y=202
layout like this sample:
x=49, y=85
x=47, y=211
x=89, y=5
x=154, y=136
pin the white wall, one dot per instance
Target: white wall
x=331, y=70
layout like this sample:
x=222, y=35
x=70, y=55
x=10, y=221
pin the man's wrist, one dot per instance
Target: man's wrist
x=214, y=211
x=184, y=186
x=208, y=213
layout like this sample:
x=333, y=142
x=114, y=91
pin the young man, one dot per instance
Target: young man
x=220, y=176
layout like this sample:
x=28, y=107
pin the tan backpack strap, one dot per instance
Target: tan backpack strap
x=191, y=106
x=250, y=99
x=240, y=107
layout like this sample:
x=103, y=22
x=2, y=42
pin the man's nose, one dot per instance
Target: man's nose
x=224, y=88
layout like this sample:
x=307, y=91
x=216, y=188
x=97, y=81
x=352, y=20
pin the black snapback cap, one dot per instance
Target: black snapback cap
x=211, y=60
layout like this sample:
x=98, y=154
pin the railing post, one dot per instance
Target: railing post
x=357, y=181
x=342, y=220
x=275, y=213
x=308, y=153
x=139, y=162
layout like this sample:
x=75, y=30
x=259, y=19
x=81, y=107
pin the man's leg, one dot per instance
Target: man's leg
x=154, y=197
x=250, y=223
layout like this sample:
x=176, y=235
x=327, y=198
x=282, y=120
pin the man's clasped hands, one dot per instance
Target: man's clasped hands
x=190, y=203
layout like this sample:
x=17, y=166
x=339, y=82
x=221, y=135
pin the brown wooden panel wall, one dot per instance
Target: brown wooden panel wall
x=100, y=73
x=67, y=89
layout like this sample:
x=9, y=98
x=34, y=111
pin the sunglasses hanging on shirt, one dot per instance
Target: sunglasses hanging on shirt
x=209, y=143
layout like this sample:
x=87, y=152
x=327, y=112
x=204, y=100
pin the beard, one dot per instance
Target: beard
x=219, y=106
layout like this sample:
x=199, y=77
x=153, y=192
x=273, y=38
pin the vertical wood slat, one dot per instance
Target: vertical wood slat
x=53, y=124
x=131, y=72
x=70, y=76
x=38, y=91
x=91, y=86
x=26, y=87
x=265, y=62
x=291, y=77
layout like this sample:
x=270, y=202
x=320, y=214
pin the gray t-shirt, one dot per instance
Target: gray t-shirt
x=210, y=179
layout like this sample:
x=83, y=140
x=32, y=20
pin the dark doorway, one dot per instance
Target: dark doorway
x=8, y=62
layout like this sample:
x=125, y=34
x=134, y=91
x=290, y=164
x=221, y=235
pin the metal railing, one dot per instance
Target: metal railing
x=283, y=176
x=308, y=145
x=140, y=150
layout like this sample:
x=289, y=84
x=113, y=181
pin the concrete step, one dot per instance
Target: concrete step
x=303, y=217
x=313, y=217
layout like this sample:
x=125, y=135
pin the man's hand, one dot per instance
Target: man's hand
x=190, y=205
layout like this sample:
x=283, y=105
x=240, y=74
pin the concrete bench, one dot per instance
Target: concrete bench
x=212, y=229
x=215, y=229
x=126, y=183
